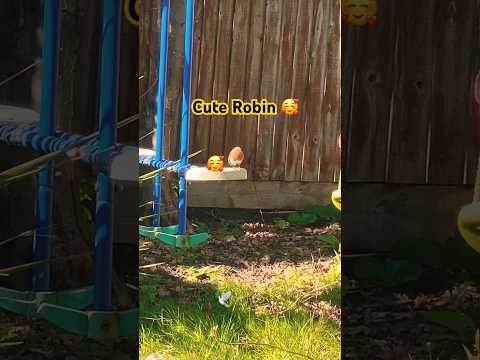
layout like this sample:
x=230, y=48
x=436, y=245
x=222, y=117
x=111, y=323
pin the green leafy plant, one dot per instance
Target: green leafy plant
x=460, y=324
x=325, y=212
x=302, y=218
x=281, y=224
x=410, y=260
x=331, y=240
x=386, y=272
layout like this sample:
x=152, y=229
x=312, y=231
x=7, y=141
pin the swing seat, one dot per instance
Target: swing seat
x=199, y=173
x=169, y=236
x=182, y=241
x=149, y=231
x=468, y=222
x=92, y=324
x=337, y=199
x=26, y=303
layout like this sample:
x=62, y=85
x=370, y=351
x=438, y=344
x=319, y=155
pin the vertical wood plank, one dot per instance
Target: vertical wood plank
x=223, y=51
x=236, y=87
x=454, y=32
x=271, y=44
x=144, y=71
x=284, y=89
x=253, y=81
x=473, y=126
x=128, y=87
x=318, y=70
x=331, y=101
x=173, y=101
x=368, y=60
x=200, y=125
x=412, y=110
x=296, y=126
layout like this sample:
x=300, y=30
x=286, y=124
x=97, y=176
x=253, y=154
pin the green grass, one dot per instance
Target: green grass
x=191, y=324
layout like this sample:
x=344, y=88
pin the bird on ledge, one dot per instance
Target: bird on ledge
x=236, y=156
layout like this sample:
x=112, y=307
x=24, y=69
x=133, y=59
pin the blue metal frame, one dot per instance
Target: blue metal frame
x=161, y=93
x=111, y=12
x=44, y=200
x=185, y=126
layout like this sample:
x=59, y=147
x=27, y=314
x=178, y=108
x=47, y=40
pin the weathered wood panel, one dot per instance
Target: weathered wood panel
x=253, y=73
x=375, y=216
x=407, y=94
x=259, y=194
x=455, y=33
x=256, y=49
x=270, y=60
x=200, y=126
x=285, y=72
x=367, y=89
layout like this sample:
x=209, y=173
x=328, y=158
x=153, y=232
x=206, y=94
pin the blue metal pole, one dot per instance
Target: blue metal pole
x=162, y=88
x=107, y=138
x=185, y=127
x=44, y=198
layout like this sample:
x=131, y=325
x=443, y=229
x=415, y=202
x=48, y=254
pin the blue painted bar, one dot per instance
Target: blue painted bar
x=161, y=93
x=30, y=138
x=107, y=138
x=185, y=126
x=44, y=200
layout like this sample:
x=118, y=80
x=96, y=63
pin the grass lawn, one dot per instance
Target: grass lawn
x=283, y=305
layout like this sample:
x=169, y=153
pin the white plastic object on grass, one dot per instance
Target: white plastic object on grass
x=223, y=298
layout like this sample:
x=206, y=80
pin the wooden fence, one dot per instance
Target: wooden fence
x=254, y=49
x=408, y=125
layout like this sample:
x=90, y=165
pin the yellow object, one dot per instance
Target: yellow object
x=337, y=196
x=359, y=12
x=131, y=9
x=290, y=106
x=215, y=163
x=469, y=225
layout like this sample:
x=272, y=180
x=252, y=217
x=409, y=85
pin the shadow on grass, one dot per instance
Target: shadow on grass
x=186, y=320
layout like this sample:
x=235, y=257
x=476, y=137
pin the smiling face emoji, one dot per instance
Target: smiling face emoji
x=359, y=12
x=290, y=106
x=215, y=163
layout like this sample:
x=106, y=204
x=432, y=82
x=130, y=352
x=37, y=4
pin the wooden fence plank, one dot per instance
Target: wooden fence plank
x=454, y=31
x=258, y=194
x=144, y=57
x=271, y=44
x=128, y=87
x=200, y=125
x=236, y=87
x=327, y=151
x=412, y=110
x=473, y=124
x=253, y=81
x=296, y=125
x=222, y=73
x=368, y=59
x=311, y=159
x=173, y=101
x=284, y=88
